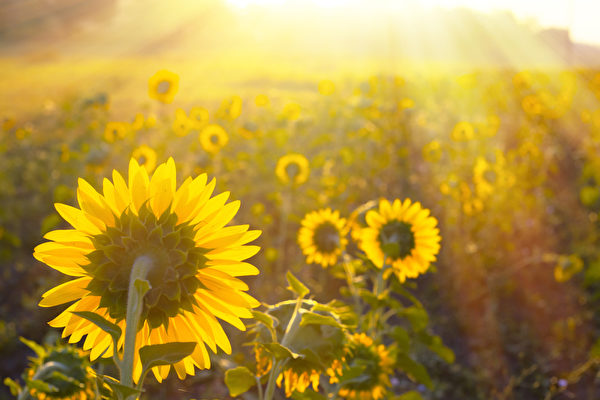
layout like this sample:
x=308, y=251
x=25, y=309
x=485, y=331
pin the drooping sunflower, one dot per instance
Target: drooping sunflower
x=402, y=235
x=64, y=369
x=196, y=260
x=213, y=138
x=292, y=168
x=322, y=237
x=146, y=157
x=163, y=86
x=377, y=366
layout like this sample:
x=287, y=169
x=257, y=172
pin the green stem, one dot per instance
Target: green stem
x=378, y=288
x=350, y=282
x=290, y=332
x=135, y=302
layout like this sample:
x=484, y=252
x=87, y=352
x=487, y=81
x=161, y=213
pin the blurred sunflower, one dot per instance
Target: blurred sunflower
x=298, y=380
x=64, y=371
x=376, y=365
x=182, y=125
x=196, y=260
x=322, y=237
x=146, y=157
x=115, y=130
x=292, y=168
x=432, y=151
x=163, y=86
x=199, y=117
x=463, y=131
x=213, y=138
x=402, y=235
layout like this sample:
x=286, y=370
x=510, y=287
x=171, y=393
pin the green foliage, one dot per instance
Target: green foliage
x=239, y=380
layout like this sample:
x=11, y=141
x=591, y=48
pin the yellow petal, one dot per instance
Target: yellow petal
x=69, y=291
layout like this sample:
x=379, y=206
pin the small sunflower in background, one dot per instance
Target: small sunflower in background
x=182, y=125
x=292, y=169
x=376, y=365
x=213, y=138
x=322, y=237
x=295, y=379
x=146, y=157
x=163, y=86
x=196, y=260
x=402, y=235
x=199, y=117
x=57, y=372
x=116, y=130
x=463, y=131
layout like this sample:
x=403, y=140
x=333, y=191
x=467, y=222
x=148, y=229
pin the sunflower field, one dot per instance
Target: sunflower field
x=233, y=226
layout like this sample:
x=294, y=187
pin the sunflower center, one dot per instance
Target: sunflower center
x=397, y=239
x=142, y=160
x=490, y=176
x=173, y=273
x=292, y=170
x=214, y=139
x=163, y=87
x=326, y=237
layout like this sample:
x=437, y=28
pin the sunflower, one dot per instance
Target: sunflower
x=64, y=369
x=402, y=235
x=145, y=156
x=195, y=262
x=292, y=168
x=463, y=131
x=432, y=151
x=213, y=138
x=322, y=237
x=116, y=130
x=163, y=86
x=199, y=117
x=376, y=364
x=298, y=380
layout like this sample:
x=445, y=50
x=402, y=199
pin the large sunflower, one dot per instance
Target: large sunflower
x=376, y=364
x=322, y=237
x=196, y=260
x=402, y=235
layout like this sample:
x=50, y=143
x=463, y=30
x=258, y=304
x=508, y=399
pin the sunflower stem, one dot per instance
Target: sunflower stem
x=138, y=287
x=290, y=332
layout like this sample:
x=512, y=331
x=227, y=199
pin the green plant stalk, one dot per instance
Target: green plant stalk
x=379, y=286
x=350, y=282
x=290, y=332
x=139, y=271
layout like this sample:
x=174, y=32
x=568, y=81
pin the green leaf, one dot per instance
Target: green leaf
x=595, y=351
x=310, y=318
x=41, y=386
x=38, y=349
x=296, y=286
x=239, y=380
x=123, y=392
x=354, y=374
x=268, y=320
x=112, y=329
x=402, y=339
x=414, y=370
x=417, y=316
x=165, y=354
x=281, y=352
x=434, y=343
x=412, y=395
x=15, y=388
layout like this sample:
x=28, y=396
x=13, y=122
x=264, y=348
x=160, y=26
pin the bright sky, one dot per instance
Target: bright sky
x=582, y=16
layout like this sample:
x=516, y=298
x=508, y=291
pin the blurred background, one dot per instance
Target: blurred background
x=488, y=113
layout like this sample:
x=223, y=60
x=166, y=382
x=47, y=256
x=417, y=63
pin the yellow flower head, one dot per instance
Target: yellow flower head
x=326, y=87
x=322, y=237
x=402, y=235
x=298, y=380
x=182, y=125
x=195, y=263
x=163, y=86
x=463, y=131
x=146, y=157
x=432, y=151
x=199, y=117
x=292, y=168
x=116, y=130
x=213, y=138
x=378, y=366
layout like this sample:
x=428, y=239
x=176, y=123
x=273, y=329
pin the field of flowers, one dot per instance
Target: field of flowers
x=420, y=236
